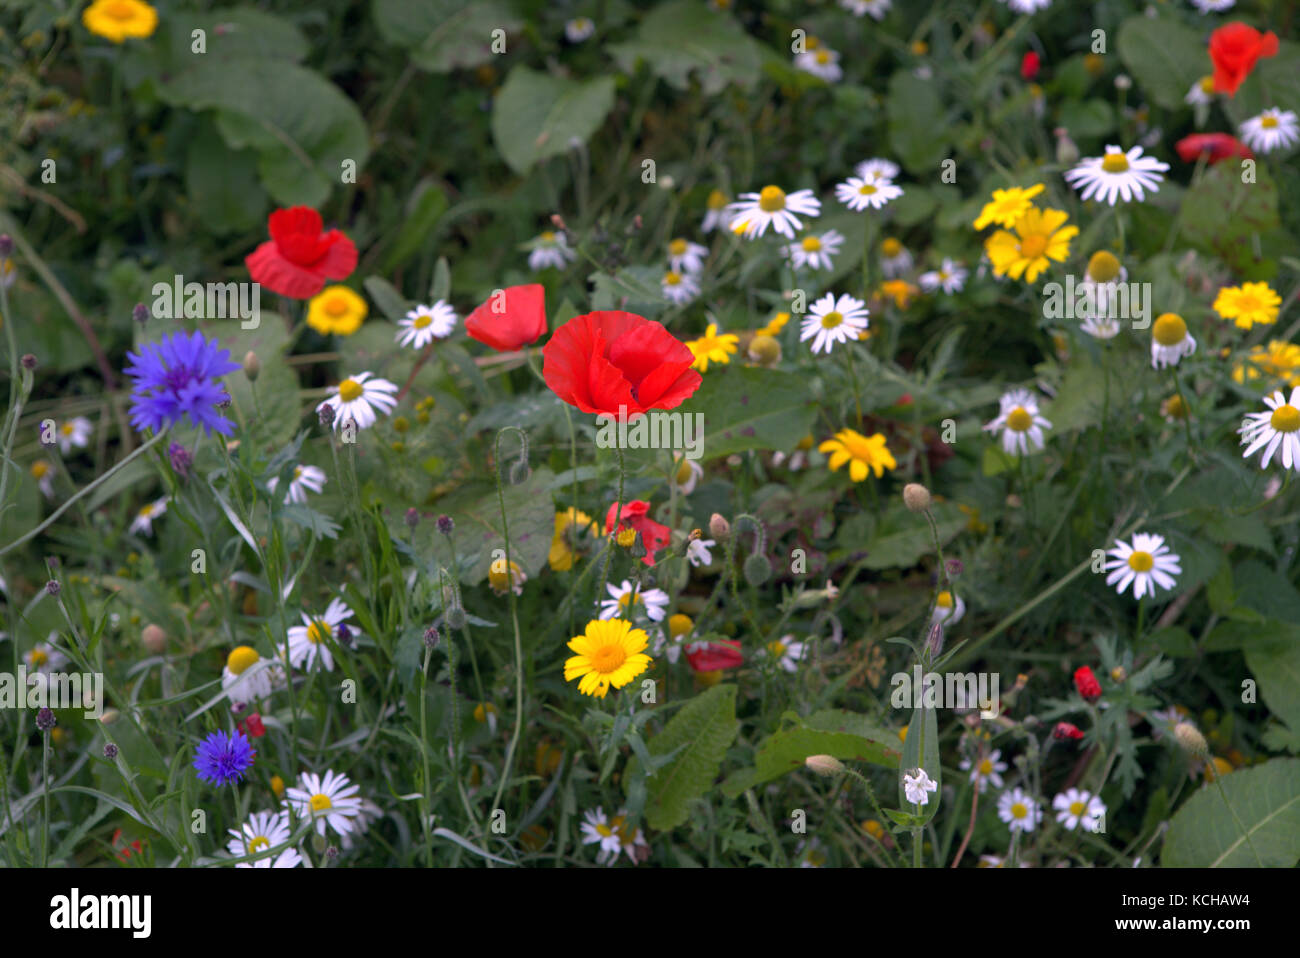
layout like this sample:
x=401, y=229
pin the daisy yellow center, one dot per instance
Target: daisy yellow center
x=548, y=236
x=672, y=279
x=317, y=632
x=260, y=842
x=1285, y=418
x=422, y=321
x=146, y=511
x=1115, y=163
x=350, y=389
x=240, y=659
x=1019, y=810
x=38, y=658
x=1032, y=246
x=66, y=429
x=776, y=647
x=1077, y=808
x=628, y=599
x=812, y=43
x=811, y=244
x=677, y=247
x=39, y=469
x=986, y=767
x=1141, y=561
x=297, y=472
x=1207, y=84
x=1103, y=267
x=823, y=57
x=320, y=802
x=604, y=831
x=1169, y=329
x=336, y=306
x=684, y=472
x=1019, y=419
x=608, y=658
x=867, y=189
x=771, y=199
x=944, y=600
x=832, y=319
x=891, y=247
x=1268, y=122
x=717, y=200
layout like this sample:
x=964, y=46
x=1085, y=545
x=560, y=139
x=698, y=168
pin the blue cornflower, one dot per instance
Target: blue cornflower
x=178, y=377
x=223, y=758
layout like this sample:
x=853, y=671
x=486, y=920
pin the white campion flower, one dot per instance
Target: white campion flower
x=917, y=786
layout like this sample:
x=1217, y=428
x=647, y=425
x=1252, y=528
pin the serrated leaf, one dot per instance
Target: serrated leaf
x=537, y=115
x=1265, y=799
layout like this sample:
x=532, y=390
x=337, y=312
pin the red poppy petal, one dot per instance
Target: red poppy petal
x=521, y=321
x=269, y=268
x=340, y=257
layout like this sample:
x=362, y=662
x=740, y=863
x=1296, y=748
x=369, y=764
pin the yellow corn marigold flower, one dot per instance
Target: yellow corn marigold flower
x=570, y=525
x=336, y=309
x=118, y=19
x=277, y=786
x=900, y=291
x=712, y=347
x=774, y=325
x=863, y=454
x=608, y=653
x=1007, y=206
x=1248, y=304
x=1040, y=236
x=1278, y=360
x=500, y=582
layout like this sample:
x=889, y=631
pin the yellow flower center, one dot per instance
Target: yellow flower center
x=1019, y=419
x=1169, y=330
x=684, y=472
x=1175, y=407
x=776, y=647
x=66, y=429
x=297, y=472
x=944, y=601
x=240, y=659
x=1103, y=267
x=832, y=319
x=1207, y=85
x=626, y=537
x=608, y=658
x=1285, y=418
x=679, y=625
x=717, y=200
x=336, y=306
x=548, y=236
x=677, y=247
x=1141, y=561
x=1019, y=810
x=259, y=843
x=38, y=658
x=812, y=43
x=986, y=767
x=1077, y=808
x=628, y=599
x=867, y=189
x=672, y=279
x=1268, y=122
x=1031, y=247
x=823, y=57
x=771, y=199
x=811, y=244
x=1115, y=163
x=39, y=469
x=318, y=632
x=891, y=247
x=422, y=321
x=350, y=389
x=320, y=802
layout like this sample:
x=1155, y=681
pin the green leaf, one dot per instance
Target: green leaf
x=443, y=35
x=681, y=38
x=922, y=751
x=1276, y=666
x=421, y=215
x=222, y=183
x=703, y=729
x=270, y=410
x=746, y=407
x=390, y=302
x=1163, y=56
x=1221, y=214
x=901, y=538
x=537, y=115
x=916, y=127
x=1266, y=800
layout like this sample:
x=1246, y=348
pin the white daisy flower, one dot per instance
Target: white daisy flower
x=715, y=214
x=624, y=598
x=1170, y=340
x=687, y=474
x=877, y=8
x=305, y=479
x=578, y=29
x=424, y=324
x=634, y=844
x=1280, y=426
x=596, y=829
x=143, y=521
x=685, y=256
x=1020, y=423
x=1100, y=327
x=264, y=830
x=75, y=433
x=858, y=193
x=822, y=62
x=1213, y=6
x=877, y=168
x=917, y=786
x=895, y=259
x=1018, y=810
x=43, y=473
x=833, y=321
x=550, y=249
x=1075, y=807
x=247, y=677
x=1117, y=175
x=369, y=813
x=1027, y=6
x=1146, y=563
x=786, y=652
x=679, y=287
x=948, y=608
x=815, y=252
x=358, y=397
x=44, y=657
x=753, y=213
x=330, y=801
x=1273, y=129
x=987, y=771
x=697, y=552
x=1201, y=92
x=307, y=642
x=950, y=277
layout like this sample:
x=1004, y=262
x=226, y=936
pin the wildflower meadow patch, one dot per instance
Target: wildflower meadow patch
x=627, y=436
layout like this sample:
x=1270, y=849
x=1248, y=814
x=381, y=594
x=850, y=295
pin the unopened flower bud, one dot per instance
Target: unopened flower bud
x=431, y=637
x=140, y=313
x=154, y=638
x=326, y=415
x=934, y=641
x=1190, y=738
x=412, y=517
x=765, y=350
x=954, y=567
x=824, y=764
x=29, y=362
x=719, y=527
x=456, y=617
x=45, y=720
x=6, y=245
x=252, y=366
x=916, y=497
x=446, y=525
x=52, y=587
x=110, y=751
x=757, y=569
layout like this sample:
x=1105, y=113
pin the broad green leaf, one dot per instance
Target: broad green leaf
x=746, y=407
x=1163, y=56
x=222, y=183
x=901, y=538
x=270, y=409
x=1220, y=214
x=916, y=127
x=921, y=750
x=1265, y=799
x=1276, y=667
x=681, y=38
x=444, y=35
x=703, y=729
x=537, y=115
x=423, y=210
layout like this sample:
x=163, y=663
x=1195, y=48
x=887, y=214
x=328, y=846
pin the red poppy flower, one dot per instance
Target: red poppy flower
x=654, y=536
x=124, y=852
x=715, y=656
x=252, y=726
x=1235, y=48
x=1065, y=732
x=1029, y=65
x=1216, y=147
x=1087, y=684
x=510, y=319
x=618, y=364
x=299, y=258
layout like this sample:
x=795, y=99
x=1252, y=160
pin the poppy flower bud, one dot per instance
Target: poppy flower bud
x=757, y=569
x=252, y=366
x=1189, y=737
x=154, y=638
x=916, y=497
x=456, y=617
x=1065, y=732
x=934, y=641
x=824, y=764
x=1086, y=683
x=719, y=527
